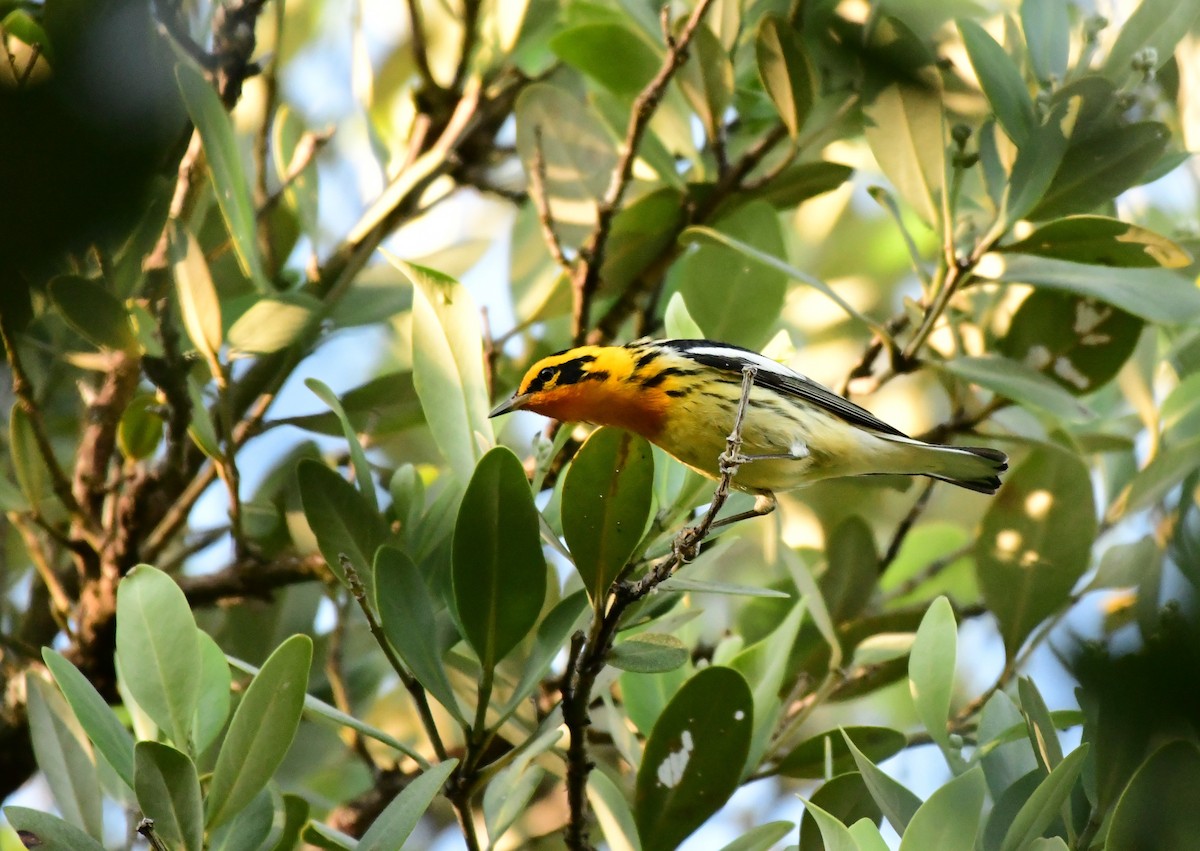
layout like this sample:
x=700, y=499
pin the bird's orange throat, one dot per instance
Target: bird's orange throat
x=642, y=411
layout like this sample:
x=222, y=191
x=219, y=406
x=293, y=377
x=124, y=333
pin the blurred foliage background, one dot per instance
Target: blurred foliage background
x=272, y=579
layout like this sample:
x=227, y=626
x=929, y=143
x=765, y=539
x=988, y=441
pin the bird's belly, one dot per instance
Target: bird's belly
x=807, y=439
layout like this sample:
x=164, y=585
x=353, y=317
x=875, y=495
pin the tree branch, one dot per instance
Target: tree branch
x=588, y=656
x=586, y=278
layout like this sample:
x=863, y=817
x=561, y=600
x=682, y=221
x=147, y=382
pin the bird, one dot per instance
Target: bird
x=683, y=396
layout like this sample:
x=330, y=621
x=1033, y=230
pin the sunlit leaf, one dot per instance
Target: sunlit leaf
x=784, y=68
x=707, y=79
x=229, y=178
x=1101, y=241
x=931, y=669
x=1001, y=81
x=272, y=324
x=617, y=56
x=1015, y=380
x=1158, y=295
x=1035, y=541
x=1157, y=25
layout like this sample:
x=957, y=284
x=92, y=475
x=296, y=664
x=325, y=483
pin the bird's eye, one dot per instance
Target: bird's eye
x=546, y=374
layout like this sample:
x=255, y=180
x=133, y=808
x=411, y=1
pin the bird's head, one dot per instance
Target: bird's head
x=589, y=384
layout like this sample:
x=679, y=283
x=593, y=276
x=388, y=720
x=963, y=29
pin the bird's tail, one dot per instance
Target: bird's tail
x=972, y=467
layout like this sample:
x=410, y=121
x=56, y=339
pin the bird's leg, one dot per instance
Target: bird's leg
x=764, y=503
x=799, y=452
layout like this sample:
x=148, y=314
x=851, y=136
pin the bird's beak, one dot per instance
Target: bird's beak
x=514, y=404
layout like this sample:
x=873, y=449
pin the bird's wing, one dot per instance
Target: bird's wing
x=776, y=376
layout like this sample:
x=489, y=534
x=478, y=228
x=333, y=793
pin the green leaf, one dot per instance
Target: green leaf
x=323, y=836
x=1039, y=725
x=649, y=653
x=798, y=183
x=949, y=820
x=931, y=669
x=319, y=709
x=906, y=132
x=448, y=366
x=808, y=759
x=100, y=723
x=1014, y=380
x=612, y=813
x=168, y=791
x=158, y=648
x=302, y=190
x=1035, y=541
x=1164, y=472
x=617, y=56
x=398, y=820
x=141, y=427
x=1046, y=25
x=499, y=573
x=1101, y=167
x=1045, y=803
x=1076, y=342
x=731, y=300
x=358, y=458
x=1004, y=748
x=1001, y=81
x=23, y=26
x=48, y=833
x=1103, y=242
x=295, y=815
x=341, y=519
x=1158, y=295
x=560, y=622
x=212, y=710
x=64, y=757
x=706, y=79
x=230, y=183
x=689, y=768
x=198, y=302
x=835, y=836
x=249, y=829
x=605, y=502
x=641, y=232
x=1157, y=809
x=1038, y=161
x=274, y=323
x=678, y=322
x=33, y=477
x=705, y=235
x=261, y=731
x=384, y=405
x=1154, y=24
x=578, y=152
x=785, y=71
x=761, y=838
x=849, y=580
x=866, y=834
x=895, y=801
x=508, y=795
x=201, y=429
x=406, y=612
x=93, y=311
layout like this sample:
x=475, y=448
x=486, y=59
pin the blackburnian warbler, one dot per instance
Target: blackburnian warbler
x=683, y=396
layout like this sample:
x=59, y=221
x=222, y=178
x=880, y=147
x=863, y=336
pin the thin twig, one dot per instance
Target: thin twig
x=146, y=828
x=334, y=658
x=410, y=682
x=305, y=153
x=588, y=655
x=586, y=279
x=541, y=201
x=905, y=526
x=470, y=34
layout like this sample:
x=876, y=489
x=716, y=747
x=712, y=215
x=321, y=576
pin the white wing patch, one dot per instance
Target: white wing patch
x=755, y=359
